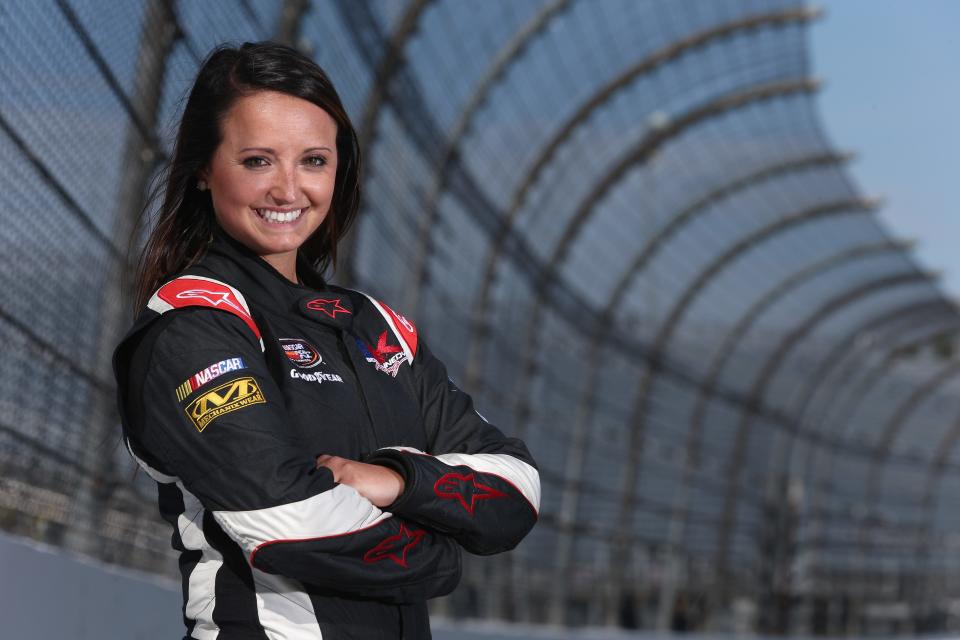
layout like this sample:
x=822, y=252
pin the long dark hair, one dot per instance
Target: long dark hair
x=185, y=220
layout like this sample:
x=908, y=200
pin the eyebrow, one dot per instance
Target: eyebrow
x=269, y=150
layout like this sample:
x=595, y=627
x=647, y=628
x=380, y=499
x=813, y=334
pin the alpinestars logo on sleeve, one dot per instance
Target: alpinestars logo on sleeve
x=465, y=489
x=385, y=357
x=396, y=546
x=213, y=298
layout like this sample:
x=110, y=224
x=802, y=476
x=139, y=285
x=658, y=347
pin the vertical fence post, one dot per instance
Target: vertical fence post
x=140, y=158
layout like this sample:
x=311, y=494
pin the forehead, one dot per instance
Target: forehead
x=268, y=116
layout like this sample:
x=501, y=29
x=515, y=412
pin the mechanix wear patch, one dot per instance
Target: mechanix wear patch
x=228, y=397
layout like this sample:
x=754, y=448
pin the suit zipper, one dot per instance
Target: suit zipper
x=350, y=353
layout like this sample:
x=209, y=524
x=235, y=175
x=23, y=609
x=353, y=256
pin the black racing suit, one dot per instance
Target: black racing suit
x=233, y=380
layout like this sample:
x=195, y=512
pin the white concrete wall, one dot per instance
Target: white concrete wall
x=48, y=595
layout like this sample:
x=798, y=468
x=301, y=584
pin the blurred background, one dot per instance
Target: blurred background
x=624, y=228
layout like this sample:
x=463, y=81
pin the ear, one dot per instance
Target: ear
x=203, y=183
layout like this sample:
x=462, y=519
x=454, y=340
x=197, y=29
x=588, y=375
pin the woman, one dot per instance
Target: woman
x=320, y=471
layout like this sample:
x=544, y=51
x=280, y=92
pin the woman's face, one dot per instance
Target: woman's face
x=272, y=177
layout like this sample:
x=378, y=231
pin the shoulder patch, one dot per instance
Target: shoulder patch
x=197, y=291
x=402, y=328
x=202, y=377
x=226, y=398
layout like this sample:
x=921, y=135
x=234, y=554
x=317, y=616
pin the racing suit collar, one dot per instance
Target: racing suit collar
x=223, y=244
x=260, y=282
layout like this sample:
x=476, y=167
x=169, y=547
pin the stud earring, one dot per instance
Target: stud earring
x=202, y=185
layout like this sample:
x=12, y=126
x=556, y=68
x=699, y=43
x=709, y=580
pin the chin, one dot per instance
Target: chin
x=281, y=247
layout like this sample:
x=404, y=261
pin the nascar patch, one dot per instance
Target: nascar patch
x=224, y=399
x=204, y=376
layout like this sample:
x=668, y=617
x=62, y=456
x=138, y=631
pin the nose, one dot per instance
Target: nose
x=285, y=187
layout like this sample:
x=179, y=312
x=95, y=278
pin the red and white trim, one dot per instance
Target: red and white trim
x=336, y=512
x=402, y=328
x=197, y=291
x=516, y=472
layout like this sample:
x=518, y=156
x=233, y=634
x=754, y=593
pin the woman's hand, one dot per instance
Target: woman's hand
x=378, y=484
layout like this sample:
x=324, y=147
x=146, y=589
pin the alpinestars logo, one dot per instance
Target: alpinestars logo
x=330, y=307
x=385, y=357
x=465, y=489
x=214, y=298
x=395, y=547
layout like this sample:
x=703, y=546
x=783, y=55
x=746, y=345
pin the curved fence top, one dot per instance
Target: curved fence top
x=620, y=225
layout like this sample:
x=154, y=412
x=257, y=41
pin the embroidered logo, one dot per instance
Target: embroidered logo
x=204, y=376
x=195, y=291
x=317, y=376
x=407, y=332
x=406, y=324
x=331, y=306
x=385, y=357
x=465, y=489
x=214, y=299
x=300, y=352
x=395, y=547
x=224, y=399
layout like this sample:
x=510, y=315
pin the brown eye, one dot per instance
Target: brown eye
x=255, y=162
x=316, y=161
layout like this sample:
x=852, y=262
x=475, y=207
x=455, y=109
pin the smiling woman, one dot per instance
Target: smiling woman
x=272, y=177
x=263, y=134
x=320, y=471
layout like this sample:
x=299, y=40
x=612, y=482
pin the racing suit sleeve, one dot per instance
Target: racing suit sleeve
x=479, y=486
x=229, y=443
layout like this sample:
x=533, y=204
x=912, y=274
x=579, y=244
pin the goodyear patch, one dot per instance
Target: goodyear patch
x=224, y=399
x=207, y=374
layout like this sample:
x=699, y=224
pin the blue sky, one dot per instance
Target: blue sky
x=891, y=70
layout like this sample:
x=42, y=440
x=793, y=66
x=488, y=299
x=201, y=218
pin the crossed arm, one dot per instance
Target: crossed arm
x=390, y=527
x=250, y=472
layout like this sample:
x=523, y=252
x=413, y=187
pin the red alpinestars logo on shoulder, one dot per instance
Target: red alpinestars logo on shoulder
x=209, y=294
x=395, y=547
x=213, y=298
x=188, y=291
x=465, y=489
x=330, y=306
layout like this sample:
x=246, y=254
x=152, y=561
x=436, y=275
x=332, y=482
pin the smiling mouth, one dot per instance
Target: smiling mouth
x=280, y=217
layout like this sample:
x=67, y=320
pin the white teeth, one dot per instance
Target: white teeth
x=279, y=217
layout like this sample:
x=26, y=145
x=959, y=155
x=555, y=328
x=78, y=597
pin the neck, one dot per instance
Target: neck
x=285, y=264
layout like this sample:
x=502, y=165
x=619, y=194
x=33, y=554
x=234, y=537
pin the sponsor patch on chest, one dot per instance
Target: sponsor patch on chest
x=318, y=377
x=226, y=398
x=300, y=352
x=385, y=357
x=207, y=374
